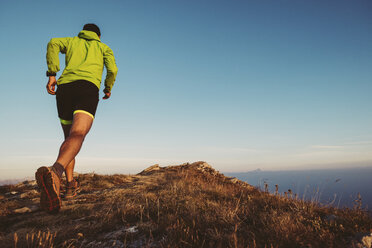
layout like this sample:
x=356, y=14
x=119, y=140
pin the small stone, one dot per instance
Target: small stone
x=23, y=195
x=132, y=229
x=32, y=183
x=12, y=193
x=364, y=240
x=22, y=210
x=367, y=241
x=28, y=194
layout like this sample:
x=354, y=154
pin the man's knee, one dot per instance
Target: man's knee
x=80, y=134
x=81, y=124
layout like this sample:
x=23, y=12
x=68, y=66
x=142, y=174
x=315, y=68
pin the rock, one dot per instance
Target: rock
x=363, y=240
x=12, y=193
x=234, y=180
x=152, y=168
x=132, y=229
x=22, y=210
x=28, y=194
x=29, y=209
x=32, y=183
x=204, y=167
x=367, y=240
x=21, y=184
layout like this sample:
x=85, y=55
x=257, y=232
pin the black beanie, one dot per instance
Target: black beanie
x=92, y=27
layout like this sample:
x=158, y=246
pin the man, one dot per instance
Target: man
x=77, y=99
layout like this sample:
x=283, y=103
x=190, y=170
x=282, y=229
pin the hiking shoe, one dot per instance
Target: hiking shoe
x=49, y=185
x=62, y=188
x=72, y=189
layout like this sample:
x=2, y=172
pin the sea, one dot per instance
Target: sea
x=342, y=188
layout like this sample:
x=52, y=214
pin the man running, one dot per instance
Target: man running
x=77, y=99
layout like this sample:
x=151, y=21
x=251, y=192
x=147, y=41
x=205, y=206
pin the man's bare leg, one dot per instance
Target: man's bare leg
x=80, y=127
x=48, y=179
x=69, y=170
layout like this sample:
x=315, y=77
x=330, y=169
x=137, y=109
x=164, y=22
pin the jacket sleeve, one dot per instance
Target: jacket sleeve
x=112, y=70
x=55, y=46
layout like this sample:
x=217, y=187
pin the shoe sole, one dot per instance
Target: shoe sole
x=49, y=197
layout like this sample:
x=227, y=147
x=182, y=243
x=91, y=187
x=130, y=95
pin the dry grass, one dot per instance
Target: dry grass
x=181, y=206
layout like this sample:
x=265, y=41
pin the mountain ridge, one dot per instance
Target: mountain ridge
x=188, y=205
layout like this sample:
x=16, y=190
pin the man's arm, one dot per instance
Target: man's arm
x=112, y=71
x=55, y=46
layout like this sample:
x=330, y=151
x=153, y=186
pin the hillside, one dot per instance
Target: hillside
x=190, y=205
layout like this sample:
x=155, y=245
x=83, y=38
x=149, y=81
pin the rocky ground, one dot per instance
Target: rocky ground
x=190, y=205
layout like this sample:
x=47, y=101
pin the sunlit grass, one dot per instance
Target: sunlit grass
x=183, y=206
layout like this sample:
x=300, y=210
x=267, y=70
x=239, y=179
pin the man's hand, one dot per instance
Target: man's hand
x=51, y=85
x=106, y=96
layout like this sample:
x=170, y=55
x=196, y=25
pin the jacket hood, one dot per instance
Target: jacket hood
x=88, y=35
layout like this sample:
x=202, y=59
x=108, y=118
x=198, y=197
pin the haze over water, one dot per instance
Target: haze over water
x=339, y=187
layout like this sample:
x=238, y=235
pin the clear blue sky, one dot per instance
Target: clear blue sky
x=239, y=84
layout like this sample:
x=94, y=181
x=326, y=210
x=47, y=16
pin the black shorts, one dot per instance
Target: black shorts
x=77, y=96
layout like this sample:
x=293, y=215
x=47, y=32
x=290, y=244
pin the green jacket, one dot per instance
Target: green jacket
x=85, y=57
